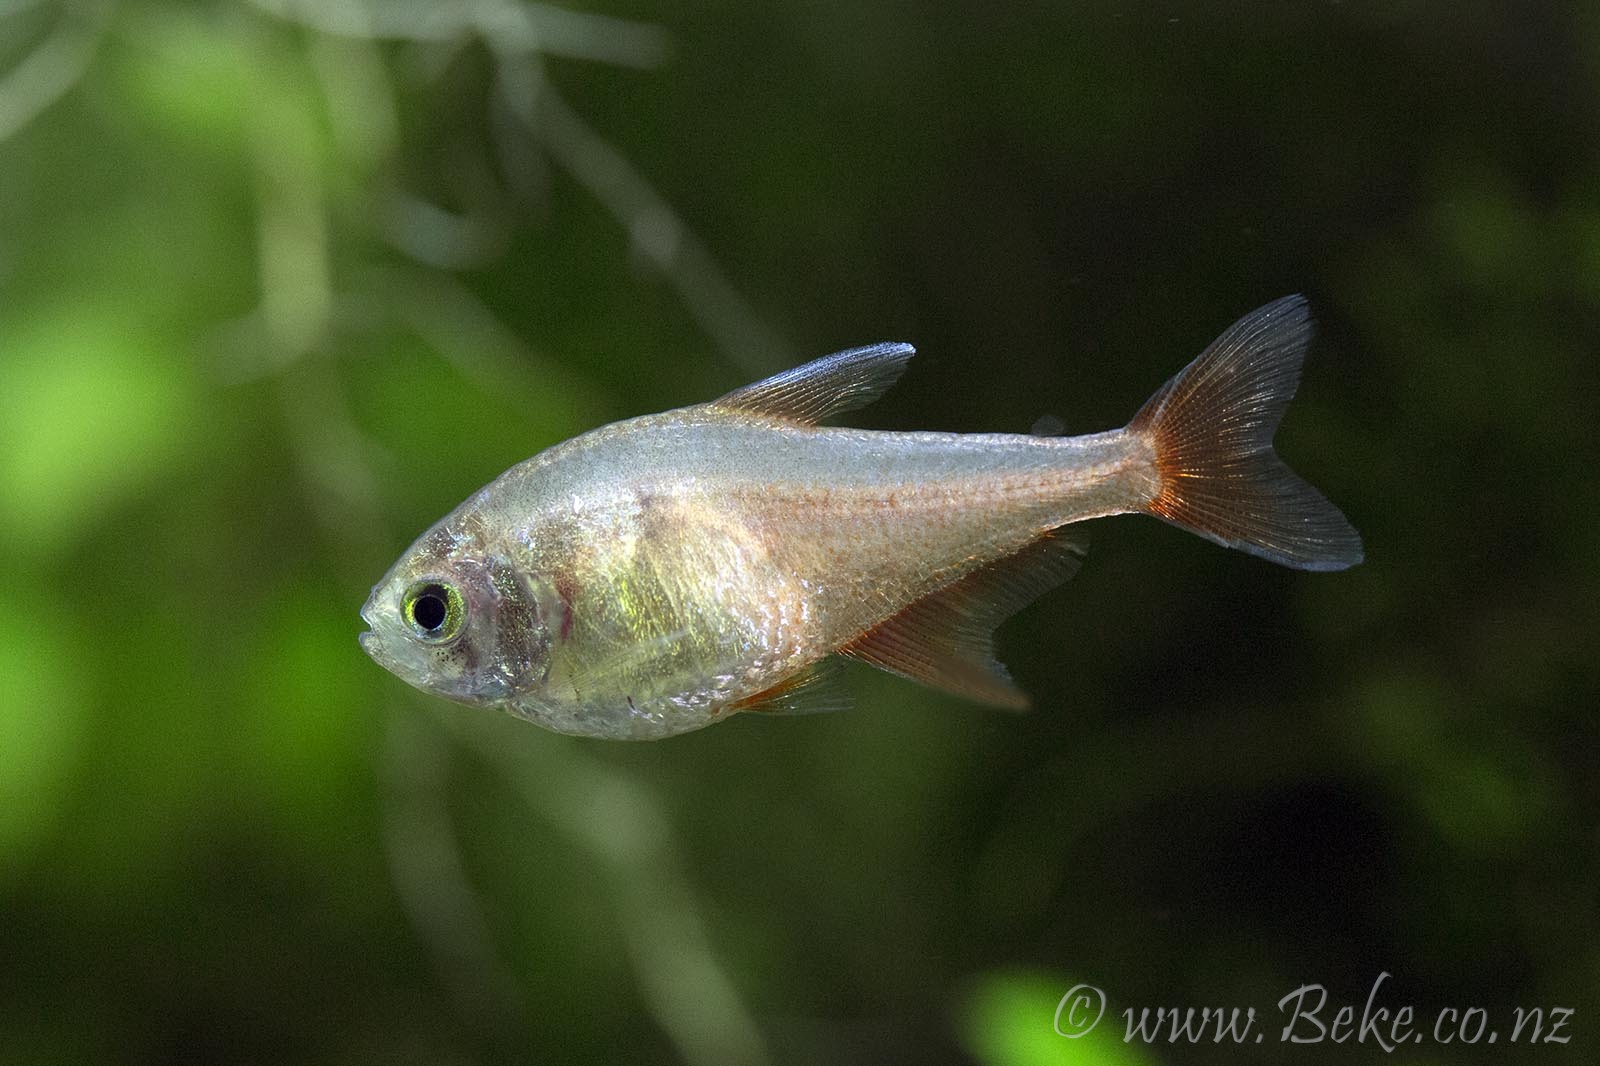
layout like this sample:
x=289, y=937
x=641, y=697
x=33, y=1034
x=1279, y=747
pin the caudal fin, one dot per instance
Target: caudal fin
x=1212, y=429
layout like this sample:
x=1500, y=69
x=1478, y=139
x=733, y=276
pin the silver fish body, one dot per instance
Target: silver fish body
x=659, y=574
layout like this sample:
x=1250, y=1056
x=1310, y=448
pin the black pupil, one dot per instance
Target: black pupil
x=429, y=610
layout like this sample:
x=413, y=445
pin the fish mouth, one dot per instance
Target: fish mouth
x=369, y=637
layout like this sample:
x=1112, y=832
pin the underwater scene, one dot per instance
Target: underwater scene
x=456, y=614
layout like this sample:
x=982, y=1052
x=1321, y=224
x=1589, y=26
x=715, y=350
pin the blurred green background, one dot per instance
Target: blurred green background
x=282, y=283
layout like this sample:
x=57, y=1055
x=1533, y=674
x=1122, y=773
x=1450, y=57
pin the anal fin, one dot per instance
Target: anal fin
x=946, y=639
x=814, y=690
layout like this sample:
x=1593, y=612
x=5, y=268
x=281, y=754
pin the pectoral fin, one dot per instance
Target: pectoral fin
x=946, y=640
x=823, y=387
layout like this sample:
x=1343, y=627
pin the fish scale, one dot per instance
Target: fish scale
x=659, y=574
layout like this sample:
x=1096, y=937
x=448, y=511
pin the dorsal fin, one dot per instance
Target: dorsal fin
x=946, y=640
x=813, y=391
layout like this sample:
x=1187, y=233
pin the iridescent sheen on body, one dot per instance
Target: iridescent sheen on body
x=658, y=574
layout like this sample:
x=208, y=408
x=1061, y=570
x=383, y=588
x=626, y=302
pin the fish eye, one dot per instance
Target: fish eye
x=434, y=611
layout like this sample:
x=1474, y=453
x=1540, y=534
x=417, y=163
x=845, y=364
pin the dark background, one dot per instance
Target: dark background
x=280, y=285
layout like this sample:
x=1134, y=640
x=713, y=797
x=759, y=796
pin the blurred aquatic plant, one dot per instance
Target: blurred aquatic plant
x=279, y=281
x=607, y=815
x=55, y=60
x=301, y=105
x=1014, y=1018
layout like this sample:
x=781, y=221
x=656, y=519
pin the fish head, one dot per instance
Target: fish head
x=455, y=618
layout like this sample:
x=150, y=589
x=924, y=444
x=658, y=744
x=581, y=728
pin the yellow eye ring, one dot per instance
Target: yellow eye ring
x=434, y=611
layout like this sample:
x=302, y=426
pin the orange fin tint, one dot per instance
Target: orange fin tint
x=1212, y=428
x=828, y=386
x=946, y=640
x=815, y=690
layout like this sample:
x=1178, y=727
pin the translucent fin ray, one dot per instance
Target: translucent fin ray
x=823, y=387
x=946, y=640
x=815, y=690
x=1212, y=429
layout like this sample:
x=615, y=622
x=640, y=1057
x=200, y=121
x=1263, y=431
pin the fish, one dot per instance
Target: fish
x=661, y=574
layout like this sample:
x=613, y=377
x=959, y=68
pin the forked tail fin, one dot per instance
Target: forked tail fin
x=1212, y=429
